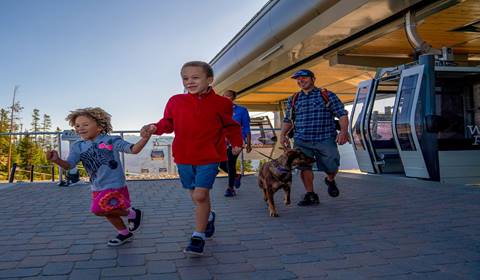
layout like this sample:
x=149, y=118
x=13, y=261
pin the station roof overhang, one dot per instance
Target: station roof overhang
x=342, y=42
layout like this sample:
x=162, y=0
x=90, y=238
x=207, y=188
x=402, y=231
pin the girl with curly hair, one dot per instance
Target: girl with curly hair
x=99, y=153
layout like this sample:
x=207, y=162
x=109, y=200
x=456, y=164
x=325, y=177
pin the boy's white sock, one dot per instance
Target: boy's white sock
x=199, y=234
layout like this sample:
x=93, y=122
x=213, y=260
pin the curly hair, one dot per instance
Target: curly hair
x=102, y=118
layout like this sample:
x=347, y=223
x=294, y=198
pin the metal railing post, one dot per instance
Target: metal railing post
x=60, y=171
x=53, y=172
x=11, y=176
x=31, y=173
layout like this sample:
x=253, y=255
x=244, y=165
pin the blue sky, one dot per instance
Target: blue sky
x=122, y=55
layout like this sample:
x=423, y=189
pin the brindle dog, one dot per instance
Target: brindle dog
x=277, y=174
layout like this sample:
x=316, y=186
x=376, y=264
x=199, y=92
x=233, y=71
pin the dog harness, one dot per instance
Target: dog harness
x=280, y=171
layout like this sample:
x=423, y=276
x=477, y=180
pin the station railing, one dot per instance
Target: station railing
x=155, y=161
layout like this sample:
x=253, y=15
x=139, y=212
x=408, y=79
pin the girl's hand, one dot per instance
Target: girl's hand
x=52, y=155
x=236, y=150
x=148, y=130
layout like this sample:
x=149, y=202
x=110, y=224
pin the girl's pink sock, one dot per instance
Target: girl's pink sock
x=131, y=214
x=124, y=231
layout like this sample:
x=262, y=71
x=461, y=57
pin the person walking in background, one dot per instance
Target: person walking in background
x=310, y=113
x=240, y=114
x=201, y=120
x=99, y=154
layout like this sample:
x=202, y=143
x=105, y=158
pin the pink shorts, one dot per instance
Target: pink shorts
x=110, y=199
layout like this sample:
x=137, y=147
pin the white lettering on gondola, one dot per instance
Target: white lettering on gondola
x=476, y=140
x=475, y=131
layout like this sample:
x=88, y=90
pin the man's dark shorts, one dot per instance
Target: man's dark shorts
x=325, y=153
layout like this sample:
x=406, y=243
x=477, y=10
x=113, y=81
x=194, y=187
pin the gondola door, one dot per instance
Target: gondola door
x=357, y=128
x=408, y=122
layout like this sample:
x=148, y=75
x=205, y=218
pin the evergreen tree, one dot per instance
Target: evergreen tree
x=24, y=149
x=55, y=140
x=4, y=120
x=4, y=140
x=35, y=122
x=30, y=153
x=6, y=126
x=46, y=126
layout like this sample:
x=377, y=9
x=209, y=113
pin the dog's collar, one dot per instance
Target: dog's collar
x=282, y=169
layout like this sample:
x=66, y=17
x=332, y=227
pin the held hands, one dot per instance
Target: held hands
x=248, y=148
x=237, y=150
x=52, y=155
x=148, y=130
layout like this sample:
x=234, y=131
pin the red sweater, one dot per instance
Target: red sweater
x=200, y=123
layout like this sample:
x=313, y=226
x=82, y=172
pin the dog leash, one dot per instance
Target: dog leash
x=264, y=155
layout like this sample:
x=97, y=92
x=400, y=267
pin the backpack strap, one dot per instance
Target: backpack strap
x=292, y=107
x=325, y=97
x=326, y=100
x=292, y=114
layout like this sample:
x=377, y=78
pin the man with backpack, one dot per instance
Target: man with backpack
x=310, y=121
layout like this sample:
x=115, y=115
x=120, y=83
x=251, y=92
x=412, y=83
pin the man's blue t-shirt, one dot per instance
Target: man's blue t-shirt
x=240, y=114
x=101, y=159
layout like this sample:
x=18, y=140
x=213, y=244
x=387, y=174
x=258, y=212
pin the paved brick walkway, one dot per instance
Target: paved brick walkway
x=380, y=227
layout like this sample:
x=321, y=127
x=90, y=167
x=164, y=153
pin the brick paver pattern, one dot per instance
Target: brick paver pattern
x=379, y=227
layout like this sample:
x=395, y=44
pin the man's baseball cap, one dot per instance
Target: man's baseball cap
x=303, y=73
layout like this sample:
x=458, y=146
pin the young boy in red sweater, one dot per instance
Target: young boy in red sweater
x=201, y=120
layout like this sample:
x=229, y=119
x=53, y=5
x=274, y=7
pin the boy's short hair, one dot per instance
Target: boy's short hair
x=102, y=118
x=205, y=66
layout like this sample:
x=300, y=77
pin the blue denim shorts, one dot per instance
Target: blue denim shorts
x=197, y=176
x=325, y=153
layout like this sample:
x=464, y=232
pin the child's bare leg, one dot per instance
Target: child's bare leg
x=116, y=221
x=114, y=212
x=201, y=198
x=114, y=217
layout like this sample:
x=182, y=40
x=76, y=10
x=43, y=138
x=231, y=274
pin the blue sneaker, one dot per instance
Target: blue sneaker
x=210, y=230
x=237, y=182
x=195, y=246
x=229, y=192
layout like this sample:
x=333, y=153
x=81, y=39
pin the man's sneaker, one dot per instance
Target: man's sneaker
x=229, y=192
x=134, y=224
x=237, y=181
x=310, y=198
x=210, y=230
x=332, y=188
x=120, y=239
x=195, y=247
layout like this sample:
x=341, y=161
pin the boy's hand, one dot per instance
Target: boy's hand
x=148, y=130
x=236, y=150
x=52, y=156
